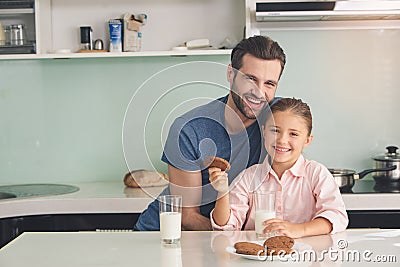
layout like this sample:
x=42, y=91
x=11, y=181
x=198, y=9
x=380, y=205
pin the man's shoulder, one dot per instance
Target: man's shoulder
x=206, y=116
x=211, y=109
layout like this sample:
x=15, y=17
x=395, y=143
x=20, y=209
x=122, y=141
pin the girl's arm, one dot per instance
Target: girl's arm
x=318, y=226
x=222, y=210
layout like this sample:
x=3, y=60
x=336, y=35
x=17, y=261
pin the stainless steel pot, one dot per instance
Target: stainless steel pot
x=345, y=178
x=389, y=159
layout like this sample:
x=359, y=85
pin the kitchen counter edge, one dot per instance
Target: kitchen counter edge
x=114, y=197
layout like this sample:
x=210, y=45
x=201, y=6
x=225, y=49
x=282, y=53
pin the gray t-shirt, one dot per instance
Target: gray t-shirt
x=198, y=134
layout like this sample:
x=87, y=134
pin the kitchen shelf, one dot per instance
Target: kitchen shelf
x=28, y=48
x=57, y=25
x=16, y=11
x=122, y=54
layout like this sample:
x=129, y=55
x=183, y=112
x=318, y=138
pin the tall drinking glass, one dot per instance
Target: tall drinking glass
x=170, y=207
x=265, y=209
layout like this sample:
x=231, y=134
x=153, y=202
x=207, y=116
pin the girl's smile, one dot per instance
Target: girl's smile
x=285, y=135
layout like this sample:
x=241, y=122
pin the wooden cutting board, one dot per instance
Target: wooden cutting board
x=91, y=51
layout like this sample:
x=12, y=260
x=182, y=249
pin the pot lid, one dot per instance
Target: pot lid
x=390, y=155
x=340, y=172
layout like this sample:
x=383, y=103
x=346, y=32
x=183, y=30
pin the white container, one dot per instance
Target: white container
x=115, y=28
x=2, y=35
x=170, y=208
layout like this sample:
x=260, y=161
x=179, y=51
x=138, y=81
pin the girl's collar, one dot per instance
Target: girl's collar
x=296, y=170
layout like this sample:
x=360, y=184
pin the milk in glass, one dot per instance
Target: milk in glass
x=170, y=208
x=261, y=216
x=170, y=225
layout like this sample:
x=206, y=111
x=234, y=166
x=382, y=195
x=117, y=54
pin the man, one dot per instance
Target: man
x=227, y=127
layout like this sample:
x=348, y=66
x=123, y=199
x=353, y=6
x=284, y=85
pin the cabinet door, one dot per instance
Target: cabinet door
x=11, y=228
x=18, y=31
x=388, y=219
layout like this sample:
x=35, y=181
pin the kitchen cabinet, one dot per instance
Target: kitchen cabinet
x=386, y=219
x=10, y=228
x=17, y=39
x=169, y=24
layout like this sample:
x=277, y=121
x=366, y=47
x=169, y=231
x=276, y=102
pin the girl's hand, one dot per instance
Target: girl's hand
x=281, y=227
x=218, y=179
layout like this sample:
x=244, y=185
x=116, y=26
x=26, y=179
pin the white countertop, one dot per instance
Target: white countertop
x=96, y=197
x=114, y=197
x=78, y=249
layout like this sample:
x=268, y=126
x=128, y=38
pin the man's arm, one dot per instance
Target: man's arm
x=189, y=186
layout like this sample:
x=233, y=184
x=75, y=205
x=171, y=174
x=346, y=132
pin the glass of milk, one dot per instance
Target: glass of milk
x=170, y=207
x=265, y=209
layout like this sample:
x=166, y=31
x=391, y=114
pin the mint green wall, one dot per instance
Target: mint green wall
x=61, y=120
x=351, y=80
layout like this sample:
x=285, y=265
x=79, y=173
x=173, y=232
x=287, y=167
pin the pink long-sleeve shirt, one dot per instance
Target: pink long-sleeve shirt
x=305, y=191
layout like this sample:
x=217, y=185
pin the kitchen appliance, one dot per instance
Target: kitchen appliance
x=86, y=38
x=390, y=158
x=369, y=186
x=327, y=10
x=345, y=178
x=33, y=190
x=98, y=44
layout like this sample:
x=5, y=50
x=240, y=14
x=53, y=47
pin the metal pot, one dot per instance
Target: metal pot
x=345, y=178
x=390, y=158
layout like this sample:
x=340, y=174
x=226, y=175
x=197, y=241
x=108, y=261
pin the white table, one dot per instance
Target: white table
x=196, y=249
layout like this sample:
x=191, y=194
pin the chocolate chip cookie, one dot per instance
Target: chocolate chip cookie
x=217, y=162
x=279, y=245
x=249, y=248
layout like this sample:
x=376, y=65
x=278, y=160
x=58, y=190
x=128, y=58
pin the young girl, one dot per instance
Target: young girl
x=308, y=201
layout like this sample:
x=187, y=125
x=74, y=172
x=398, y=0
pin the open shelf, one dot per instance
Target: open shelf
x=122, y=54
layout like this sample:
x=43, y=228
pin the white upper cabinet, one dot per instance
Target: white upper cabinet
x=169, y=24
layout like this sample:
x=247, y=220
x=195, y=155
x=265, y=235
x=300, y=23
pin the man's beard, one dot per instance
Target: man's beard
x=243, y=107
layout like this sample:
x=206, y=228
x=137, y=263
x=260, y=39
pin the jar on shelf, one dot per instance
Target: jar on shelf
x=2, y=35
x=17, y=34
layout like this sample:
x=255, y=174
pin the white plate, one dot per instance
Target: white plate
x=298, y=247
